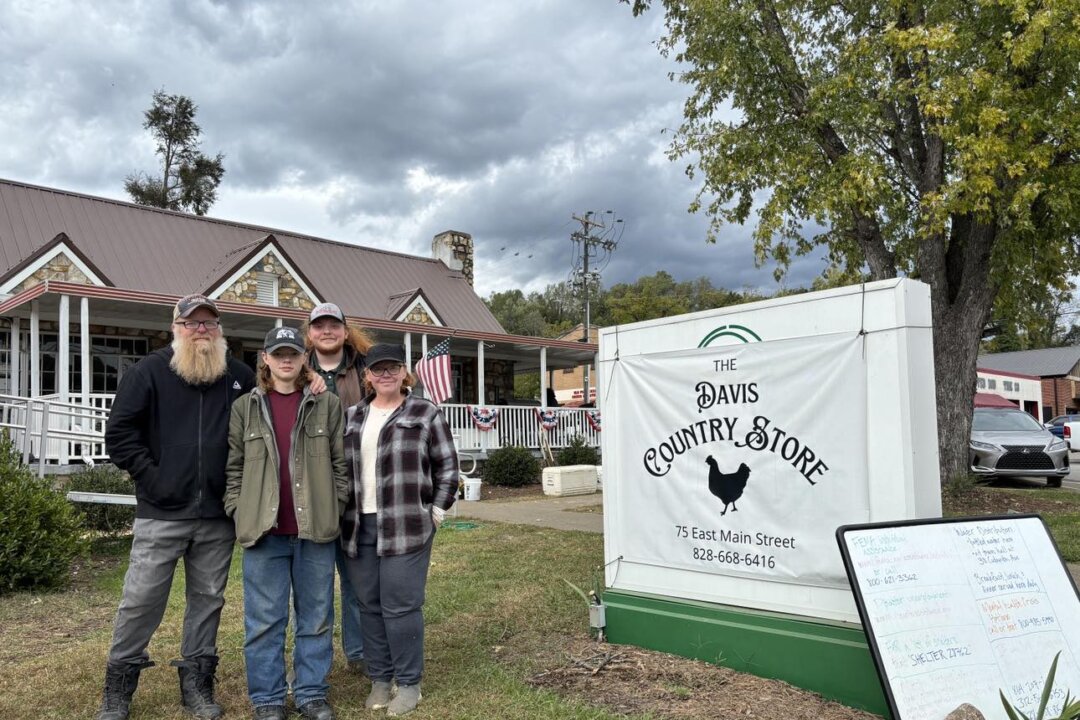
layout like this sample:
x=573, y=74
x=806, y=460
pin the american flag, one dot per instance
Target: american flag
x=434, y=371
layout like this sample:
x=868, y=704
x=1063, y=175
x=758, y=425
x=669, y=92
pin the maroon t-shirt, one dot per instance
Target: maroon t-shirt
x=283, y=409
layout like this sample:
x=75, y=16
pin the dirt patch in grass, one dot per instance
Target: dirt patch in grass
x=35, y=623
x=630, y=680
x=989, y=500
x=501, y=493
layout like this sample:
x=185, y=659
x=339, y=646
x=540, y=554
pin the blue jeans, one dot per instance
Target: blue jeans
x=352, y=642
x=273, y=566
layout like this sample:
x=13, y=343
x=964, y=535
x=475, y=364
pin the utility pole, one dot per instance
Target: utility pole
x=597, y=238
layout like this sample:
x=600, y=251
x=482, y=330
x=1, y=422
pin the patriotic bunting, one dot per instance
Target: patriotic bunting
x=483, y=418
x=593, y=416
x=549, y=419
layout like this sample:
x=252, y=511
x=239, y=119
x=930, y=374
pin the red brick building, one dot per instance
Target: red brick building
x=1057, y=368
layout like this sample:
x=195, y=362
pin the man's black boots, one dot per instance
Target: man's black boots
x=197, y=687
x=120, y=683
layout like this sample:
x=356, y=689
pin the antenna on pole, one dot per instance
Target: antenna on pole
x=597, y=239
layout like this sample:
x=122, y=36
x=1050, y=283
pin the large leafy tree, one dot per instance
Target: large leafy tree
x=518, y=314
x=660, y=295
x=932, y=138
x=188, y=179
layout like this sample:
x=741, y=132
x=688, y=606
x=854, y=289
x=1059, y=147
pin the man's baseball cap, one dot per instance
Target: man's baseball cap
x=385, y=352
x=191, y=303
x=283, y=337
x=327, y=310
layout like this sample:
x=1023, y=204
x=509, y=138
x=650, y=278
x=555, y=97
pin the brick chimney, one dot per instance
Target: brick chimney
x=455, y=249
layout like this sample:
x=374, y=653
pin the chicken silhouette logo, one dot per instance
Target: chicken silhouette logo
x=727, y=486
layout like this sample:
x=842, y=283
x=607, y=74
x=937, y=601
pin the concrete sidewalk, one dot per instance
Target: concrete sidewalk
x=566, y=513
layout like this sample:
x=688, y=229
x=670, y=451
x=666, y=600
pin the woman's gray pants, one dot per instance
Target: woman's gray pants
x=391, y=594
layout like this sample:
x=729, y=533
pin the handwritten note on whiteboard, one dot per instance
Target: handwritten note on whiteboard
x=955, y=610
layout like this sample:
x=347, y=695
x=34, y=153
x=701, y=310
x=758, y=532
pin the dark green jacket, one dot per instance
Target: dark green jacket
x=319, y=477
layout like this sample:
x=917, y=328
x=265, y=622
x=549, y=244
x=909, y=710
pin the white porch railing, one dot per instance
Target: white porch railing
x=518, y=425
x=71, y=432
x=55, y=433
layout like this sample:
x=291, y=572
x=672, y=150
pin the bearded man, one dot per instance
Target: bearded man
x=169, y=428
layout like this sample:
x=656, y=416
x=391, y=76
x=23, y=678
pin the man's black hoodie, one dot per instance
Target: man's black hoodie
x=173, y=437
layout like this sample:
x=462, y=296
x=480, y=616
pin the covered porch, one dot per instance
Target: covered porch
x=65, y=346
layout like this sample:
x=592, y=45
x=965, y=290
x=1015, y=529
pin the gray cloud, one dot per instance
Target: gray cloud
x=381, y=123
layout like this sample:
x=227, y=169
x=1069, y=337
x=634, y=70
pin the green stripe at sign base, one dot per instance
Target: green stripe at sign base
x=832, y=659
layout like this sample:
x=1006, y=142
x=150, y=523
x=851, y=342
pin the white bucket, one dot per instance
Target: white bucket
x=472, y=490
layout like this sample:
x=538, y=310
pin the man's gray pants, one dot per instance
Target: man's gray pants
x=206, y=547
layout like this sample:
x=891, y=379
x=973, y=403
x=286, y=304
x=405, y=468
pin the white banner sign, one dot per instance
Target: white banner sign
x=743, y=459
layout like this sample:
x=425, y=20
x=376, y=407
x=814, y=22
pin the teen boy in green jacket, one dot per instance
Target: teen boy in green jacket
x=286, y=487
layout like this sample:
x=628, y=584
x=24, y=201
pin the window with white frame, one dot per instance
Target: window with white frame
x=5, y=360
x=110, y=357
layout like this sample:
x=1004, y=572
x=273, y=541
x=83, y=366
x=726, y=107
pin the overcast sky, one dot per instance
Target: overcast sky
x=382, y=123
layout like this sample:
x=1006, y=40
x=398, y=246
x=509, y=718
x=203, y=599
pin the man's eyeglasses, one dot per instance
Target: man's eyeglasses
x=385, y=370
x=194, y=324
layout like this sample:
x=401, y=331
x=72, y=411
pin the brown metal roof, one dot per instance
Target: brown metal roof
x=160, y=251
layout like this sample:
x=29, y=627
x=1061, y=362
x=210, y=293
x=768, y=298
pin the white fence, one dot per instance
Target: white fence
x=49, y=432
x=72, y=432
x=519, y=425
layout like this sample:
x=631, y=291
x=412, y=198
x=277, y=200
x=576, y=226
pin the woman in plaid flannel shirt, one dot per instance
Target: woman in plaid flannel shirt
x=403, y=472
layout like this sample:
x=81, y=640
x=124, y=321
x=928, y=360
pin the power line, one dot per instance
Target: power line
x=595, y=241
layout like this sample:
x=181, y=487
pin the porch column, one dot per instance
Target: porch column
x=480, y=371
x=13, y=364
x=598, y=378
x=543, y=377
x=423, y=353
x=408, y=351
x=84, y=354
x=62, y=353
x=35, y=349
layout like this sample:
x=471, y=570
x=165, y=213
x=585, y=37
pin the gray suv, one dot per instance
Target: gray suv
x=1011, y=443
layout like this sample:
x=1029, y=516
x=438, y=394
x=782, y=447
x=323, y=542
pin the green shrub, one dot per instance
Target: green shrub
x=40, y=534
x=578, y=453
x=512, y=467
x=109, y=519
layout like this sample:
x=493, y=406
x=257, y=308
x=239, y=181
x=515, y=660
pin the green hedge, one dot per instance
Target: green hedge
x=99, y=517
x=578, y=453
x=511, y=466
x=40, y=532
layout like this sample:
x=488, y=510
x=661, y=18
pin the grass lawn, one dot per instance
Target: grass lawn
x=1059, y=508
x=490, y=588
x=506, y=637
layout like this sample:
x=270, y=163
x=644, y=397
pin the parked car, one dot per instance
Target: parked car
x=1011, y=443
x=1057, y=425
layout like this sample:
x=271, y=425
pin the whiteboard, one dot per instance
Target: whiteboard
x=955, y=610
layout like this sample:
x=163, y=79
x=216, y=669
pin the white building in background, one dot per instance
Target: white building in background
x=1025, y=391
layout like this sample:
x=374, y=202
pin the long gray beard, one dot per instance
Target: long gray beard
x=199, y=364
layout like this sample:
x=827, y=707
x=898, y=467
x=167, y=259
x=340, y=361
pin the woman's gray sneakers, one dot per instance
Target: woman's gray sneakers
x=406, y=700
x=380, y=695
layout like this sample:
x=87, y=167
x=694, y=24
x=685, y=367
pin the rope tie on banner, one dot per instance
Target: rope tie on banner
x=615, y=577
x=862, y=318
x=615, y=359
